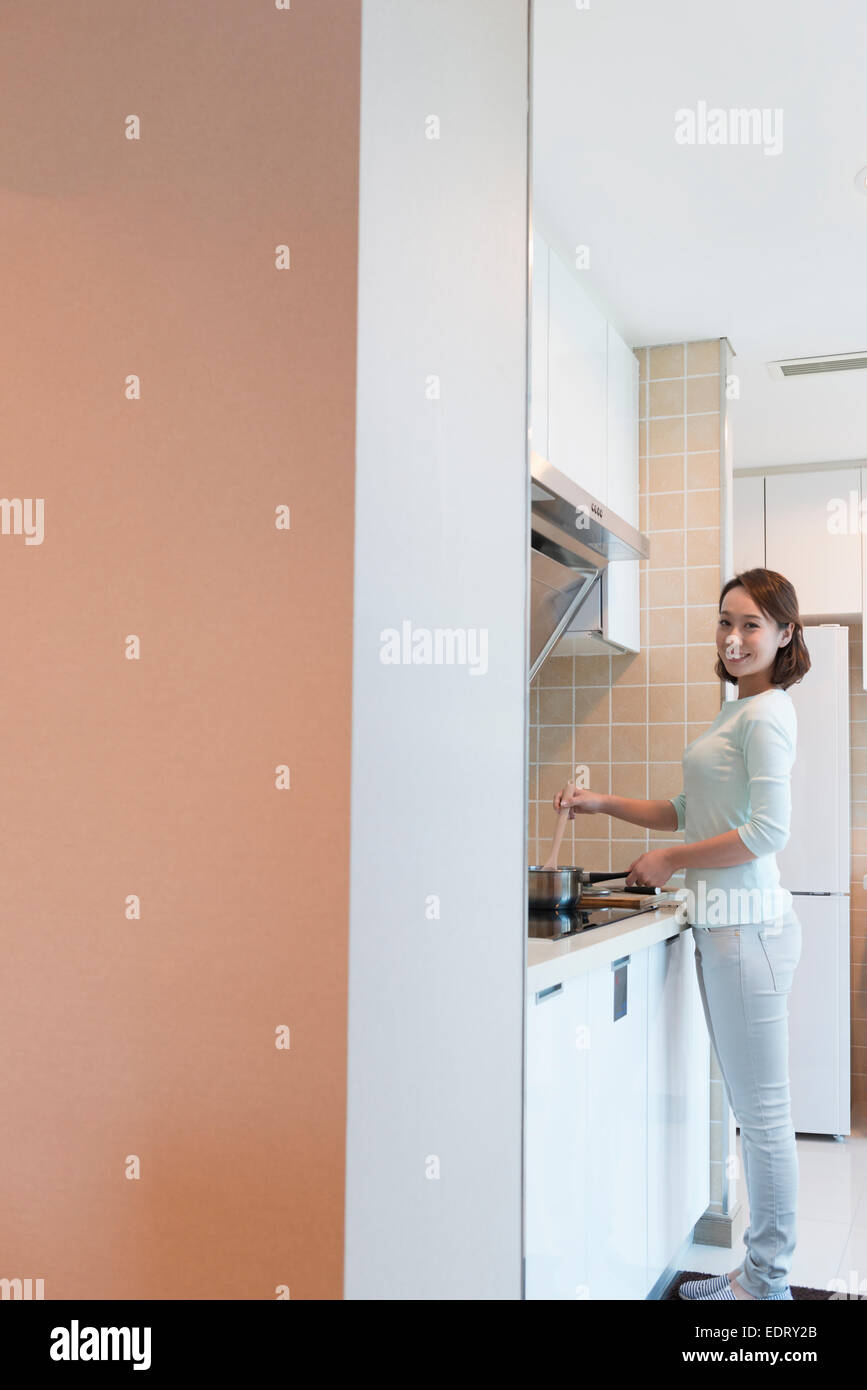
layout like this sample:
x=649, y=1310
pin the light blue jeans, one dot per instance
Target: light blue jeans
x=745, y=974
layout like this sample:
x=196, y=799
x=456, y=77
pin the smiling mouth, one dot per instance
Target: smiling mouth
x=744, y=657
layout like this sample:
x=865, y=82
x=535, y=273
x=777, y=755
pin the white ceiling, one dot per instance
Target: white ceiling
x=707, y=241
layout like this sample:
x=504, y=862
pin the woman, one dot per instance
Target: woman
x=735, y=808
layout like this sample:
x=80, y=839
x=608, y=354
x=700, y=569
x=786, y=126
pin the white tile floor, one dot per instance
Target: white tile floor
x=832, y=1215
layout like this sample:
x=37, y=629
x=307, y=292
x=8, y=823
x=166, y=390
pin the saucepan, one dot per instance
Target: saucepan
x=559, y=890
x=553, y=889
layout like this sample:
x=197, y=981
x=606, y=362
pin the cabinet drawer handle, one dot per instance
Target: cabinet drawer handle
x=543, y=994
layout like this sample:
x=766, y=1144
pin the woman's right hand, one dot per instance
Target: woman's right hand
x=577, y=799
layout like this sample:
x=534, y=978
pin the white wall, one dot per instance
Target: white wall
x=439, y=755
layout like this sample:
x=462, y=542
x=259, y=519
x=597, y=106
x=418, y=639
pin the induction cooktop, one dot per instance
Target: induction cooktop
x=557, y=924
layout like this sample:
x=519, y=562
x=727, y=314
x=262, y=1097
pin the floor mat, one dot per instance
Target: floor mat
x=799, y=1291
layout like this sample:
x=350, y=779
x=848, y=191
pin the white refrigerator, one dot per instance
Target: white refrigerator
x=815, y=867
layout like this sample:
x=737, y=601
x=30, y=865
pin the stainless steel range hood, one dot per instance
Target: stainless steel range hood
x=573, y=538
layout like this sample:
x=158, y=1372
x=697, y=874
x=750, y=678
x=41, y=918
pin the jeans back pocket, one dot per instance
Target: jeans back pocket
x=781, y=944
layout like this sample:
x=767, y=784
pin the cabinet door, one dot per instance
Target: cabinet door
x=557, y=1178
x=621, y=578
x=748, y=507
x=539, y=348
x=819, y=1018
x=678, y=1101
x=622, y=428
x=617, y=1121
x=697, y=1063
x=623, y=603
x=577, y=374
x=813, y=538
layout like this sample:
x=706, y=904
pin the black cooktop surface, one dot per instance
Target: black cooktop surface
x=556, y=924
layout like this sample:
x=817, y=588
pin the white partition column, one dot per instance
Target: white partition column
x=439, y=775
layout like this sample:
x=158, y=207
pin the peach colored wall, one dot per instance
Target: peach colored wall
x=157, y=776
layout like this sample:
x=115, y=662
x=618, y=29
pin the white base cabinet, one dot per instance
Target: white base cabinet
x=678, y=1100
x=617, y=1163
x=557, y=1141
x=617, y=1139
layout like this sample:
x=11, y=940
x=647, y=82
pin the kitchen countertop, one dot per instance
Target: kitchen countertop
x=550, y=962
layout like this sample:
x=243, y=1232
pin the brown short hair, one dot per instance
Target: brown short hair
x=776, y=598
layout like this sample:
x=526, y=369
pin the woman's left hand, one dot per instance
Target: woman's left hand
x=650, y=870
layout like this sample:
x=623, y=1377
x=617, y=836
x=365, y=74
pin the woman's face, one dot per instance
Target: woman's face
x=746, y=639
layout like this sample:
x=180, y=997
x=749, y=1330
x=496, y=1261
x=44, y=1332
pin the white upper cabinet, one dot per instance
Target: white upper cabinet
x=539, y=348
x=584, y=416
x=622, y=428
x=812, y=537
x=748, y=515
x=577, y=382
x=622, y=576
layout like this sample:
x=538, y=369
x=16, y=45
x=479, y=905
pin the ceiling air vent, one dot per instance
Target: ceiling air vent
x=815, y=366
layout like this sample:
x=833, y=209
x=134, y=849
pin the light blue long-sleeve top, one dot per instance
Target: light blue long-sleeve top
x=737, y=776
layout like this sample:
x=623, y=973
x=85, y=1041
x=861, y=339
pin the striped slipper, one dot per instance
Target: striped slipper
x=718, y=1287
